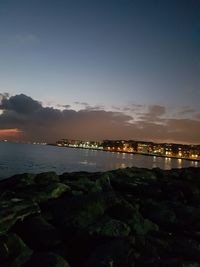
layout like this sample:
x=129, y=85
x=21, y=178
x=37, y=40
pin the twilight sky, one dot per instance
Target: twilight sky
x=99, y=69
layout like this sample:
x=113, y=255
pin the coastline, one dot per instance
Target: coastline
x=125, y=217
x=133, y=153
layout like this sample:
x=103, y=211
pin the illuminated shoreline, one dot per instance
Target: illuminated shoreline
x=127, y=152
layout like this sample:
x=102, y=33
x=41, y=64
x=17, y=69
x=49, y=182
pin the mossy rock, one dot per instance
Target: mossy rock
x=14, y=252
x=160, y=213
x=46, y=260
x=16, y=182
x=141, y=226
x=84, y=217
x=116, y=253
x=44, y=193
x=104, y=182
x=15, y=209
x=47, y=178
x=38, y=233
x=110, y=228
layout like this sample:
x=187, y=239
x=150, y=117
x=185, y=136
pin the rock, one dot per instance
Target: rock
x=104, y=182
x=17, y=181
x=14, y=210
x=83, y=184
x=46, y=178
x=86, y=185
x=116, y=253
x=130, y=214
x=79, y=211
x=110, y=228
x=160, y=213
x=191, y=264
x=13, y=251
x=46, y=260
x=44, y=193
x=187, y=248
x=51, y=191
x=38, y=233
x=122, y=210
x=123, y=218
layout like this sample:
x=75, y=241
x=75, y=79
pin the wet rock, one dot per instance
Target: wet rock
x=15, y=210
x=110, y=228
x=13, y=251
x=84, y=184
x=46, y=260
x=122, y=218
x=117, y=253
x=16, y=181
x=47, y=178
x=44, y=193
x=79, y=211
x=38, y=233
x=130, y=214
x=160, y=213
x=104, y=182
x=52, y=191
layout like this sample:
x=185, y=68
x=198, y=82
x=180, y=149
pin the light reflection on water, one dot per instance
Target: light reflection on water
x=20, y=158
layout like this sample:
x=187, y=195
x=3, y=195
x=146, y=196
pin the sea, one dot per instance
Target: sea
x=18, y=158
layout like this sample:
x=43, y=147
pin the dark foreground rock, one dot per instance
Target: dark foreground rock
x=123, y=218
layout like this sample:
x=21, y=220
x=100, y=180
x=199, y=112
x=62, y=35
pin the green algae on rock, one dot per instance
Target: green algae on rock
x=121, y=218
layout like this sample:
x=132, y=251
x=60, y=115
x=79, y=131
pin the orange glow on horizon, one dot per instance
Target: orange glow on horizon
x=9, y=132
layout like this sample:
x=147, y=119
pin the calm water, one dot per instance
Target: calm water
x=20, y=158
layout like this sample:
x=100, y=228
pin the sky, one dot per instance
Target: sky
x=100, y=69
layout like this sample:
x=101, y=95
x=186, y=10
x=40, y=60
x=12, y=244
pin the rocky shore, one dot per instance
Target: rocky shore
x=121, y=218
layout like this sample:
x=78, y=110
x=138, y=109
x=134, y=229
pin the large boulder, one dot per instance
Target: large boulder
x=160, y=213
x=38, y=233
x=16, y=182
x=79, y=211
x=116, y=253
x=15, y=210
x=43, y=193
x=46, y=178
x=13, y=251
x=124, y=211
x=110, y=228
x=46, y=260
x=84, y=185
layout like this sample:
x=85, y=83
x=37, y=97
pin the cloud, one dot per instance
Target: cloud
x=38, y=123
x=63, y=106
x=154, y=113
x=81, y=103
x=20, y=103
x=186, y=111
x=87, y=106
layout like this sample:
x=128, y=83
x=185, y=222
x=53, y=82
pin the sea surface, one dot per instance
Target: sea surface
x=20, y=158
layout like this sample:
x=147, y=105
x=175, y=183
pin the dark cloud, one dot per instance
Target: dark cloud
x=3, y=95
x=20, y=103
x=38, y=123
x=197, y=116
x=186, y=111
x=153, y=114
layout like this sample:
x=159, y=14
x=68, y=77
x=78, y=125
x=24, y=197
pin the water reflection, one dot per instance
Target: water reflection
x=167, y=163
x=123, y=165
x=179, y=163
x=124, y=155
